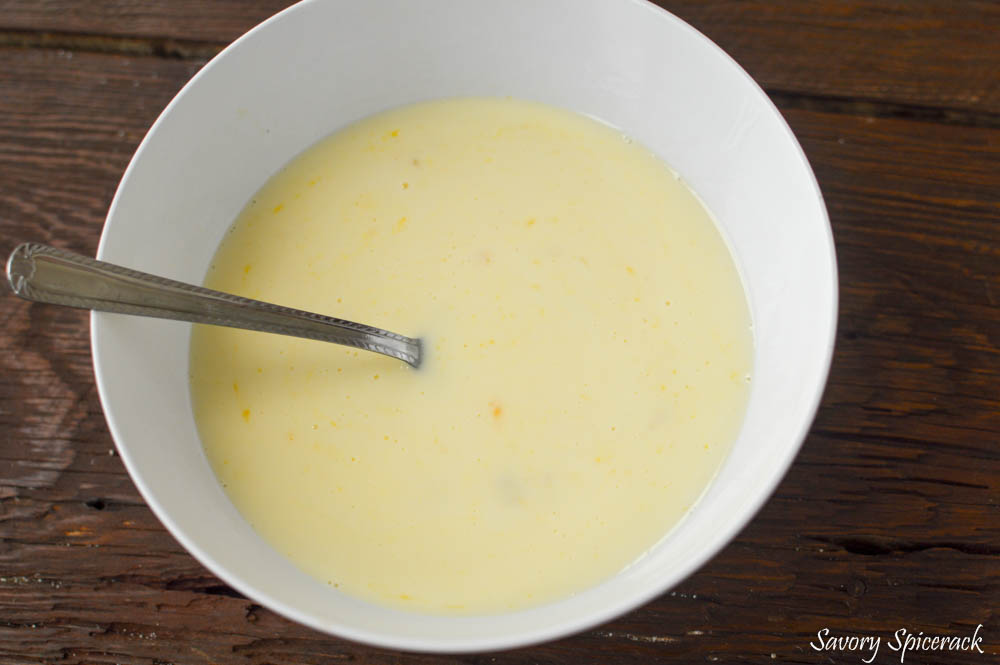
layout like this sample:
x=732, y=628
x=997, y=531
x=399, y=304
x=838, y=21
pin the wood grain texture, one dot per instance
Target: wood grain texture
x=905, y=51
x=219, y=21
x=936, y=53
x=888, y=519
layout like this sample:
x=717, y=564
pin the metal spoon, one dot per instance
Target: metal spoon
x=46, y=274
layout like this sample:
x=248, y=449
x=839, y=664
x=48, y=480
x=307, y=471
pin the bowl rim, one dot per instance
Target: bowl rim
x=620, y=605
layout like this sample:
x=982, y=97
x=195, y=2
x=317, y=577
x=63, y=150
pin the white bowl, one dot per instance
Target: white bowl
x=323, y=64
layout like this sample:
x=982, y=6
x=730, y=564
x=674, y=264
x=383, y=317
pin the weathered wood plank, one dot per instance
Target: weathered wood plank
x=935, y=53
x=920, y=52
x=220, y=21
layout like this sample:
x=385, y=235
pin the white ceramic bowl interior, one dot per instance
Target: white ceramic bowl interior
x=323, y=64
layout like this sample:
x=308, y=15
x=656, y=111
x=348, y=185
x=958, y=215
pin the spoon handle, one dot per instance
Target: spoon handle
x=46, y=274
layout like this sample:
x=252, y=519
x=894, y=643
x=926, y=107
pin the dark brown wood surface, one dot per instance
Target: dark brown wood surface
x=889, y=518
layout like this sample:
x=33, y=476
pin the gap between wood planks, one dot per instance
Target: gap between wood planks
x=182, y=49
x=178, y=49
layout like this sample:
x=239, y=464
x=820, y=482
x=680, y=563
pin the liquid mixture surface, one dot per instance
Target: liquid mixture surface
x=588, y=350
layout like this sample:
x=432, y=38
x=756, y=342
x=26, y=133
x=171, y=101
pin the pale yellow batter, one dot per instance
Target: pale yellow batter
x=588, y=349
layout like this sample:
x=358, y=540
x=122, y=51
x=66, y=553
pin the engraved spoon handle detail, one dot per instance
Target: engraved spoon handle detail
x=46, y=274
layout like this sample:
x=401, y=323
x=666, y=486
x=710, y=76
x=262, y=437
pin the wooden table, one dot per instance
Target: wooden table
x=889, y=518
